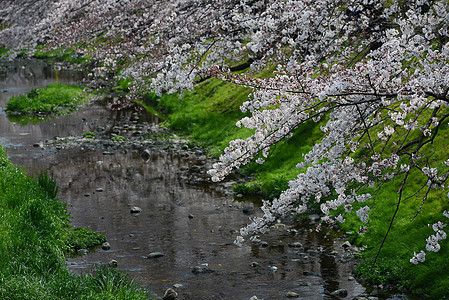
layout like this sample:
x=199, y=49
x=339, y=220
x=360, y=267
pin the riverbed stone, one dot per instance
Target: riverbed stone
x=263, y=244
x=346, y=245
x=155, y=255
x=254, y=264
x=295, y=245
x=292, y=295
x=145, y=154
x=201, y=269
x=248, y=210
x=170, y=294
x=113, y=263
x=106, y=246
x=135, y=210
x=82, y=251
x=340, y=293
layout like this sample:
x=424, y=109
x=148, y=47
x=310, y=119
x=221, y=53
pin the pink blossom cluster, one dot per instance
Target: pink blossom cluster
x=433, y=240
x=373, y=74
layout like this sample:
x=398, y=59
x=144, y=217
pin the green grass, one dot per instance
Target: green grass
x=34, y=233
x=207, y=115
x=89, y=135
x=62, y=54
x=83, y=238
x=430, y=278
x=3, y=51
x=118, y=138
x=55, y=99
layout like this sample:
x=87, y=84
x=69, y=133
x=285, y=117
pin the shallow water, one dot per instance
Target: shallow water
x=100, y=189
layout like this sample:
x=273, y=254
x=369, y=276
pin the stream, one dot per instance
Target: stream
x=192, y=224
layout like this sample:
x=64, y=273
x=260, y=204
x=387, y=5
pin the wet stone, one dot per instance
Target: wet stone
x=112, y=263
x=313, y=252
x=195, y=168
x=346, y=245
x=135, y=210
x=155, y=255
x=170, y=294
x=145, y=154
x=339, y=293
x=292, y=295
x=295, y=245
x=254, y=264
x=106, y=246
x=201, y=269
x=82, y=251
x=248, y=210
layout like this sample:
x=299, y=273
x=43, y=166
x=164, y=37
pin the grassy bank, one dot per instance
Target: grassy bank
x=55, y=99
x=208, y=115
x=34, y=237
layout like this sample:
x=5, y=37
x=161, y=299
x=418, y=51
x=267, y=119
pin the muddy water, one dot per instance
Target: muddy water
x=190, y=224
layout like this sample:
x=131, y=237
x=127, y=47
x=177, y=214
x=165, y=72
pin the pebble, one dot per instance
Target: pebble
x=295, y=245
x=248, y=210
x=346, y=245
x=145, y=154
x=340, y=293
x=135, y=210
x=106, y=246
x=82, y=251
x=254, y=264
x=263, y=244
x=170, y=294
x=99, y=190
x=201, y=269
x=113, y=263
x=155, y=255
x=292, y=295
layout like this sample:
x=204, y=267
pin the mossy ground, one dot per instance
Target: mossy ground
x=34, y=237
x=208, y=114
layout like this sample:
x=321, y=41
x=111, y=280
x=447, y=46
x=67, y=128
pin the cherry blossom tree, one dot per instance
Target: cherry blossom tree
x=374, y=74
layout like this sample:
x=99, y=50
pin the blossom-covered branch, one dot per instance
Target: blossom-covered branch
x=374, y=74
